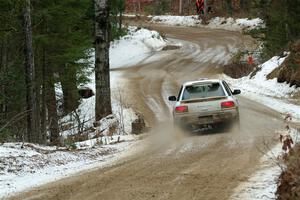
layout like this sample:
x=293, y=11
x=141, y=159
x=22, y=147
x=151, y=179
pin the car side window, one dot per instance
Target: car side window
x=227, y=88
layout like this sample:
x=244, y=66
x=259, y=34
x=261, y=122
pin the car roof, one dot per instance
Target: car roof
x=202, y=81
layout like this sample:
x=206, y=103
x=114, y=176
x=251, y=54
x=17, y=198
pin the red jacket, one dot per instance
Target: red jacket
x=200, y=4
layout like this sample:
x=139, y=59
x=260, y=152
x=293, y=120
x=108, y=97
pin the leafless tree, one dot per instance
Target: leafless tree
x=103, y=94
x=33, y=117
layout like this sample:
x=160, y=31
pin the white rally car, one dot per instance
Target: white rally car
x=205, y=102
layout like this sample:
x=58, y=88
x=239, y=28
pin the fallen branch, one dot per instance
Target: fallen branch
x=44, y=151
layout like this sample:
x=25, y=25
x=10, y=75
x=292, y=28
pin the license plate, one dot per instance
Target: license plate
x=204, y=120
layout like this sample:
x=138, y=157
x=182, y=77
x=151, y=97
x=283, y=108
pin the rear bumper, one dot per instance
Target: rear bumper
x=207, y=118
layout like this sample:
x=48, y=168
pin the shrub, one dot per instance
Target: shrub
x=238, y=69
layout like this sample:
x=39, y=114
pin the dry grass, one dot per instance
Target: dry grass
x=238, y=69
x=289, y=180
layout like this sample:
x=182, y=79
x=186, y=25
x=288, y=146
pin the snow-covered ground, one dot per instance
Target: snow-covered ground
x=176, y=20
x=86, y=109
x=215, y=23
x=268, y=92
x=135, y=47
x=42, y=164
x=262, y=184
x=25, y=167
x=235, y=24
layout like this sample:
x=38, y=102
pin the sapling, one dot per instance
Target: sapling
x=285, y=138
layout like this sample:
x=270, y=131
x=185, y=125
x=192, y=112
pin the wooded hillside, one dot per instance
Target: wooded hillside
x=55, y=35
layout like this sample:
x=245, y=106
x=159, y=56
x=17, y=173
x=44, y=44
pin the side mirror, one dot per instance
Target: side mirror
x=172, y=98
x=236, y=92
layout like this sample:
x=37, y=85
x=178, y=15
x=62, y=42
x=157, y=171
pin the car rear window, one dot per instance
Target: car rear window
x=203, y=90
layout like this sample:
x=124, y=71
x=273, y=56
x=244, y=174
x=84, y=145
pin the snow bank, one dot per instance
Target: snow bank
x=86, y=109
x=263, y=183
x=177, y=20
x=22, y=167
x=259, y=83
x=214, y=23
x=86, y=112
x=235, y=24
x=268, y=92
x=135, y=47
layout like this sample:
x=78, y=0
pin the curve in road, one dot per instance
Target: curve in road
x=174, y=166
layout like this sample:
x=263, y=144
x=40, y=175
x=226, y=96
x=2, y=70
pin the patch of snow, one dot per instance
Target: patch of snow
x=6, y=152
x=86, y=109
x=176, y=20
x=235, y=24
x=253, y=23
x=23, y=168
x=215, y=23
x=263, y=183
x=135, y=47
x=268, y=92
x=130, y=15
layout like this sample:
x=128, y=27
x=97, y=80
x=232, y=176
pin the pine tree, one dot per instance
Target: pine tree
x=62, y=37
x=12, y=79
x=283, y=24
x=117, y=7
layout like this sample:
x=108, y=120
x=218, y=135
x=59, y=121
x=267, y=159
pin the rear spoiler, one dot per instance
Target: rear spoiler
x=203, y=99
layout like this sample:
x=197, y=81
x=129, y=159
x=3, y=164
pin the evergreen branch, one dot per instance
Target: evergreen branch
x=11, y=29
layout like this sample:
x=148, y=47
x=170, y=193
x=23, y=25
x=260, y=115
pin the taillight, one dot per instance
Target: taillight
x=180, y=109
x=227, y=104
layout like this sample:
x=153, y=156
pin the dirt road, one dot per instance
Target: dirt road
x=174, y=166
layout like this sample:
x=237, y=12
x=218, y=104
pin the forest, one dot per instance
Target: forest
x=62, y=33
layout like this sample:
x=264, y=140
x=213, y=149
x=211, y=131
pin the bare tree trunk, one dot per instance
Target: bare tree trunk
x=205, y=8
x=103, y=96
x=43, y=103
x=134, y=8
x=120, y=20
x=139, y=5
x=180, y=7
x=5, y=63
x=38, y=112
x=33, y=115
x=52, y=113
x=2, y=86
x=38, y=89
